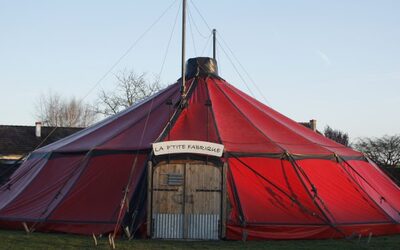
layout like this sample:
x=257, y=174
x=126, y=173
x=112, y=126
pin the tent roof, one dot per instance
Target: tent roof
x=123, y=130
x=215, y=111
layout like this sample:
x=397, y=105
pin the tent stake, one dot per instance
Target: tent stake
x=127, y=233
x=94, y=239
x=369, y=238
x=244, y=235
x=26, y=228
x=111, y=241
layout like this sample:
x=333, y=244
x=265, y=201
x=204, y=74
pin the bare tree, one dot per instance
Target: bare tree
x=130, y=89
x=337, y=135
x=54, y=110
x=384, y=151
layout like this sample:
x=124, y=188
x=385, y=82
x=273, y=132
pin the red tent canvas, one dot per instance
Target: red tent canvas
x=284, y=181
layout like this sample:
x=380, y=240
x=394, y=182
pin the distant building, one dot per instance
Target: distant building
x=312, y=124
x=16, y=142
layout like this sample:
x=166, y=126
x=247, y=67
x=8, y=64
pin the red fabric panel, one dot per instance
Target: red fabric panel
x=278, y=232
x=276, y=131
x=131, y=120
x=378, y=186
x=295, y=128
x=194, y=121
x=36, y=200
x=130, y=138
x=346, y=202
x=236, y=131
x=21, y=179
x=97, y=195
x=261, y=202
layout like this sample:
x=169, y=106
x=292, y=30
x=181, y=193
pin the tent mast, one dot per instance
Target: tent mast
x=183, y=69
x=214, y=32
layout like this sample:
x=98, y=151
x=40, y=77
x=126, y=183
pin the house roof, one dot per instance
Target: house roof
x=306, y=124
x=18, y=140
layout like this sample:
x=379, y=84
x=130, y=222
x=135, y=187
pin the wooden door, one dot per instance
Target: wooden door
x=186, y=201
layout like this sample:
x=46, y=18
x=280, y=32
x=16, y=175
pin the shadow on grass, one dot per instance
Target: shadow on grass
x=20, y=240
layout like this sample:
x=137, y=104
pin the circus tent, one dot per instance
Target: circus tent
x=275, y=179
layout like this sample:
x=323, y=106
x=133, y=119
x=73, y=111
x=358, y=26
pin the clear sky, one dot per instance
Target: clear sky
x=335, y=61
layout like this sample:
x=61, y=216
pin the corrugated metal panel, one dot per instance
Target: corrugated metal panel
x=168, y=226
x=200, y=226
x=203, y=226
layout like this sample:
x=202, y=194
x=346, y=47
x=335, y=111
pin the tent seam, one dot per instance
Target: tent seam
x=282, y=124
x=241, y=113
x=366, y=193
x=84, y=163
x=33, y=178
x=172, y=120
x=212, y=111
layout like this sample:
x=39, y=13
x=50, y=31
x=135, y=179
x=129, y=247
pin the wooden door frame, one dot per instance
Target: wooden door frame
x=149, y=220
x=222, y=167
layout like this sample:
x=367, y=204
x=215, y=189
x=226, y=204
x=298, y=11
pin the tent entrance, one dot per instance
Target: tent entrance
x=186, y=201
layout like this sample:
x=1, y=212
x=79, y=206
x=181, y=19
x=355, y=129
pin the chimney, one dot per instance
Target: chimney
x=38, y=129
x=313, y=125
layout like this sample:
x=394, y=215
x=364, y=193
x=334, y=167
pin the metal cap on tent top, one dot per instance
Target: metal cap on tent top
x=201, y=66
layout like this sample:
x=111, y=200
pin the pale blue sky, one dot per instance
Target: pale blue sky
x=336, y=61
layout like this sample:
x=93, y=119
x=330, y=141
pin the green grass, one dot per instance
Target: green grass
x=20, y=240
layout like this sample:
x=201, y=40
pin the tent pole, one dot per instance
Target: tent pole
x=183, y=66
x=149, y=198
x=214, y=32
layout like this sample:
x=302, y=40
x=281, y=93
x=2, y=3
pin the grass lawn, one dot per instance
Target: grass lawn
x=20, y=240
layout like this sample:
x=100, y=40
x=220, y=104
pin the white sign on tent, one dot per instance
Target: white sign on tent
x=194, y=147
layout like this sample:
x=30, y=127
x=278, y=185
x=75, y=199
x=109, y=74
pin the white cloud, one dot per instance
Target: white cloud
x=323, y=57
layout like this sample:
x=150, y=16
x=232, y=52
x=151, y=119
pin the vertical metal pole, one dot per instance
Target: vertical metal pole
x=214, y=32
x=183, y=47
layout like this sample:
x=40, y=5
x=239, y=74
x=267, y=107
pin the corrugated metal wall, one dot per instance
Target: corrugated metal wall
x=168, y=226
x=203, y=226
